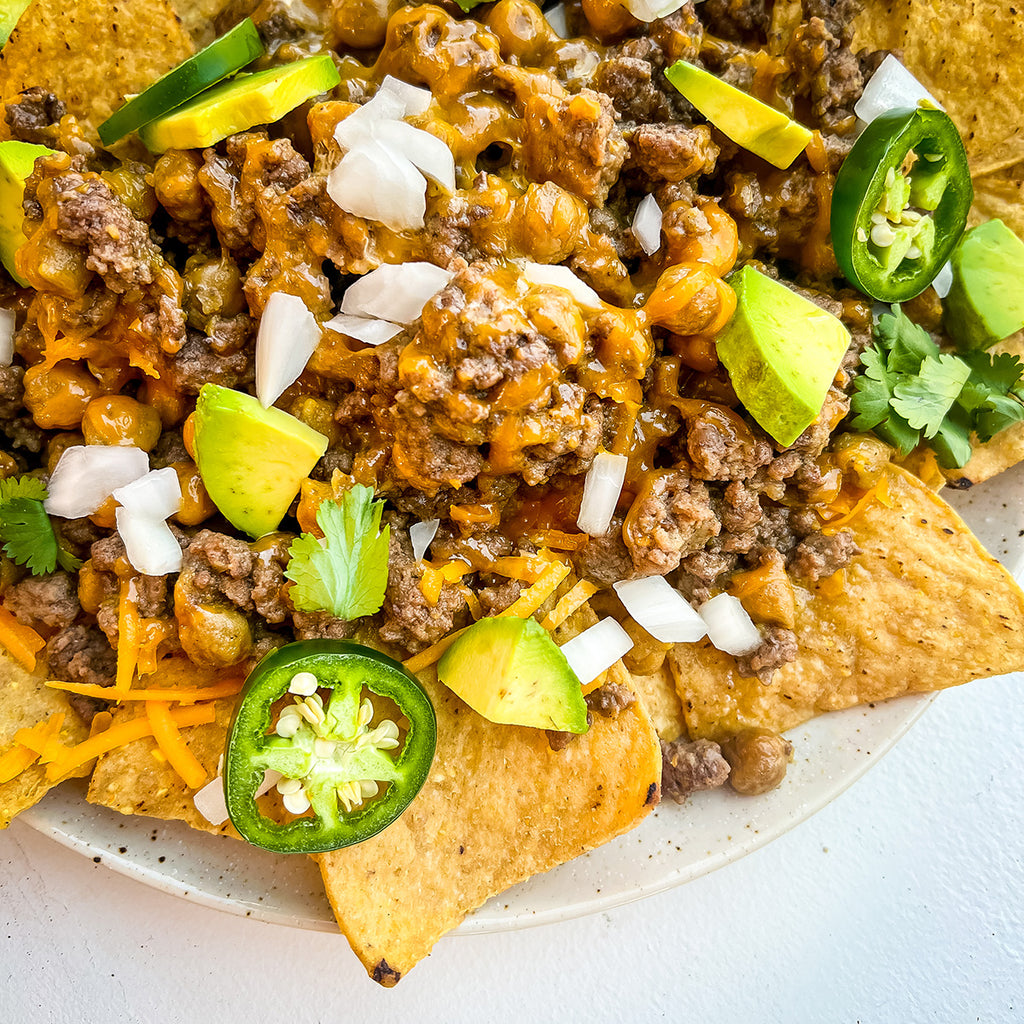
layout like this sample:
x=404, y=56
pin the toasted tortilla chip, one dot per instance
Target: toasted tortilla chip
x=135, y=778
x=658, y=692
x=967, y=54
x=923, y=607
x=25, y=701
x=498, y=807
x=91, y=55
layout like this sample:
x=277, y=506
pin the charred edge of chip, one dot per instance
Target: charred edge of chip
x=962, y=484
x=384, y=974
x=653, y=795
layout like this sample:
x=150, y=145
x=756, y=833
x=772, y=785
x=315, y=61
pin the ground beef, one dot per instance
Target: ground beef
x=690, y=767
x=198, y=363
x=268, y=579
x=608, y=700
x=497, y=598
x=606, y=560
x=106, y=552
x=818, y=556
x=671, y=518
x=320, y=626
x=220, y=568
x=33, y=116
x=81, y=654
x=721, y=447
x=50, y=602
x=778, y=648
x=673, y=152
x=12, y=391
x=629, y=83
x=169, y=450
x=151, y=596
x=409, y=619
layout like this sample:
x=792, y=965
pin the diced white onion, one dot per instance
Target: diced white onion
x=557, y=20
x=288, y=336
x=421, y=534
x=651, y=10
x=891, y=86
x=359, y=126
x=156, y=495
x=943, y=280
x=661, y=610
x=414, y=99
x=364, y=329
x=86, y=475
x=729, y=626
x=148, y=543
x=374, y=183
x=562, y=277
x=601, y=490
x=210, y=801
x=7, y=324
x=647, y=225
x=596, y=649
x=427, y=152
x=395, y=291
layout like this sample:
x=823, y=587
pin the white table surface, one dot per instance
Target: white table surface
x=902, y=901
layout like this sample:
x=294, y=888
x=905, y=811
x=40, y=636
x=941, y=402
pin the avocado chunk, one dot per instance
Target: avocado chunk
x=748, y=122
x=252, y=460
x=240, y=104
x=510, y=671
x=10, y=12
x=16, y=162
x=985, y=303
x=782, y=352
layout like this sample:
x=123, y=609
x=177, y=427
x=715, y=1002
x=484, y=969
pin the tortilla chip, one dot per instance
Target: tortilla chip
x=91, y=55
x=25, y=701
x=198, y=17
x=967, y=54
x=498, y=807
x=923, y=607
x=135, y=778
x=658, y=692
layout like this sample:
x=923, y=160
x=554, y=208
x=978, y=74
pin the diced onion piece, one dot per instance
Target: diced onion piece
x=7, y=324
x=396, y=291
x=647, y=225
x=601, y=491
x=364, y=329
x=86, y=475
x=891, y=86
x=427, y=152
x=414, y=99
x=729, y=626
x=374, y=183
x=562, y=277
x=421, y=534
x=156, y=495
x=943, y=280
x=557, y=20
x=210, y=803
x=661, y=610
x=148, y=543
x=596, y=649
x=359, y=126
x=651, y=10
x=288, y=336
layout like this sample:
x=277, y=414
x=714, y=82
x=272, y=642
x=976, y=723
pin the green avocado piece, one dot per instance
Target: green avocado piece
x=252, y=460
x=986, y=300
x=782, y=352
x=240, y=104
x=10, y=12
x=747, y=121
x=510, y=671
x=16, y=162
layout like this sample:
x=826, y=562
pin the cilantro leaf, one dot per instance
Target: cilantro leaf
x=998, y=413
x=1001, y=372
x=952, y=442
x=872, y=391
x=908, y=343
x=22, y=487
x=345, y=572
x=27, y=535
x=924, y=400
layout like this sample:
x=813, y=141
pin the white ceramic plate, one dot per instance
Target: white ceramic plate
x=675, y=844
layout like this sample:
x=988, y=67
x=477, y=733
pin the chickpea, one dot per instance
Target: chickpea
x=120, y=420
x=546, y=222
x=211, y=636
x=690, y=299
x=212, y=287
x=757, y=760
x=862, y=458
x=8, y=466
x=696, y=351
x=57, y=398
x=58, y=445
x=702, y=234
x=93, y=588
x=169, y=404
x=196, y=505
x=647, y=655
x=317, y=413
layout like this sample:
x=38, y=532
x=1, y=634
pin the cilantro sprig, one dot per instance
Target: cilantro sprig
x=909, y=391
x=26, y=532
x=345, y=572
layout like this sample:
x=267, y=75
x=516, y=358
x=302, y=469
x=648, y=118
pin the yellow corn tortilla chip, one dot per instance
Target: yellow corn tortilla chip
x=967, y=54
x=498, y=807
x=25, y=701
x=135, y=778
x=199, y=17
x=658, y=692
x=924, y=607
x=91, y=55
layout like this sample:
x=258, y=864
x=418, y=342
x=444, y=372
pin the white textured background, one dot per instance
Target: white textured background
x=903, y=901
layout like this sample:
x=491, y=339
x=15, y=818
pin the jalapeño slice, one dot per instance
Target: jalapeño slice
x=242, y=103
x=351, y=765
x=900, y=203
x=223, y=57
